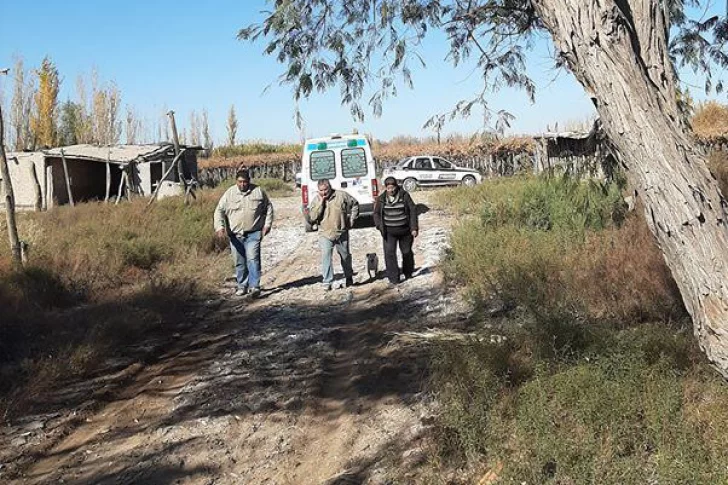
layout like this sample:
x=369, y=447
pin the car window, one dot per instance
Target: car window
x=442, y=164
x=353, y=162
x=423, y=164
x=322, y=165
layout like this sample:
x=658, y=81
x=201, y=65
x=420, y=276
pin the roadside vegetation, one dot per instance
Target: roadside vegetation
x=585, y=368
x=100, y=279
x=256, y=148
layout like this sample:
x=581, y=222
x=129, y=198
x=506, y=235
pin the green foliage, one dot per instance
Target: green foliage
x=623, y=406
x=566, y=387
x=558, y=203
x=71, y=115
x=275, y=187
x=373, y=45
x=557, y=245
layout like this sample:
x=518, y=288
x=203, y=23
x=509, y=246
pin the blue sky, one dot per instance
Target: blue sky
x=184, y=55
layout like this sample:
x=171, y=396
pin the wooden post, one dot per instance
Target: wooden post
x=68, y=179
x=130, y=183
x=38, y=205
x=180, y=167
x=45, y=184
x=50, y=194
x=108, y=177
x=108, y=182
x=121, y=187
x=9, y=200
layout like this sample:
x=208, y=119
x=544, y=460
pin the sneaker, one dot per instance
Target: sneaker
x=326, y=286
x=349, y=282
x=241, y=292
x=254, y=292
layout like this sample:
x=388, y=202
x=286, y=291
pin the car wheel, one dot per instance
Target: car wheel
x=409, y=184
x=468, y=181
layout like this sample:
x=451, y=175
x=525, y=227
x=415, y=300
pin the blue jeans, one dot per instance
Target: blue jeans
x=342, y=247
x=246, y=256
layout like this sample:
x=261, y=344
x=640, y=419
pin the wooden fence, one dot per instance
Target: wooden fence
x=590, y=162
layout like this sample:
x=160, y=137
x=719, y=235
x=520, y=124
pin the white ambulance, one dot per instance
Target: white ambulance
x=347, y=162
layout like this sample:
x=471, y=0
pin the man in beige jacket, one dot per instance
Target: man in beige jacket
x=245, y=214
x=335, y=212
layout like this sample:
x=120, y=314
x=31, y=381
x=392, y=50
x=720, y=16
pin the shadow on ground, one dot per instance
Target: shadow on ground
x=218, y=358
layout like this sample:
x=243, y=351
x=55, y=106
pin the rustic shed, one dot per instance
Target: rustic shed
x=575, y=152
x=98, y=172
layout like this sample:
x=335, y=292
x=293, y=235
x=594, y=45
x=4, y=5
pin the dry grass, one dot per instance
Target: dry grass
x=710, y=122
x=560, y=245
x=133, y=269
x=595, y=376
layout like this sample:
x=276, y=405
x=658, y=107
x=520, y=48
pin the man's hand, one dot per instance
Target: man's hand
x=220, y=233
x=266, y=230
x=415, y=233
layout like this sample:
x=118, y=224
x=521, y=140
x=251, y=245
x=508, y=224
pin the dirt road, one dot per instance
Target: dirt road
x=300, y=386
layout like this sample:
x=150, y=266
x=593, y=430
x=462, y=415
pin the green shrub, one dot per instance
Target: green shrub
x=275, y=187
x=542, y=203
x=141, y=254
x=633, y=406
x=558, y=246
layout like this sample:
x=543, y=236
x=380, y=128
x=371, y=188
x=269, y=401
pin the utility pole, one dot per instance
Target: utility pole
x=180, y=169
x=9, y=196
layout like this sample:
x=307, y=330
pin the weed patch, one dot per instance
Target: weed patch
x=622, y=409
x=131, y=265
x=594, y=376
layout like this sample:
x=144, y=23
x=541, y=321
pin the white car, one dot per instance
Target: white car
x=427, y=170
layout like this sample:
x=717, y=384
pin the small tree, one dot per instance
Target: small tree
x=21, y=107
x=133, y=126
x=232, y=126
x=84, y=128
x=194, y=128
x=70, y=118
x=105, y=115
x=164, y=134
x=44, y=122
x=207, y=139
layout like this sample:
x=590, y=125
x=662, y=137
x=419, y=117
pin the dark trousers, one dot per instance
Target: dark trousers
x=401, y=236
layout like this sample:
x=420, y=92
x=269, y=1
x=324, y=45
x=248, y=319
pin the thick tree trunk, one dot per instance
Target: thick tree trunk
x=9, y=199
x=617, y=51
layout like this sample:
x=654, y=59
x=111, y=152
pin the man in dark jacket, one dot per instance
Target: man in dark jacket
x=395, y=216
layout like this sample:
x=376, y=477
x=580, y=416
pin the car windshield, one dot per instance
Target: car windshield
x=402, y=162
